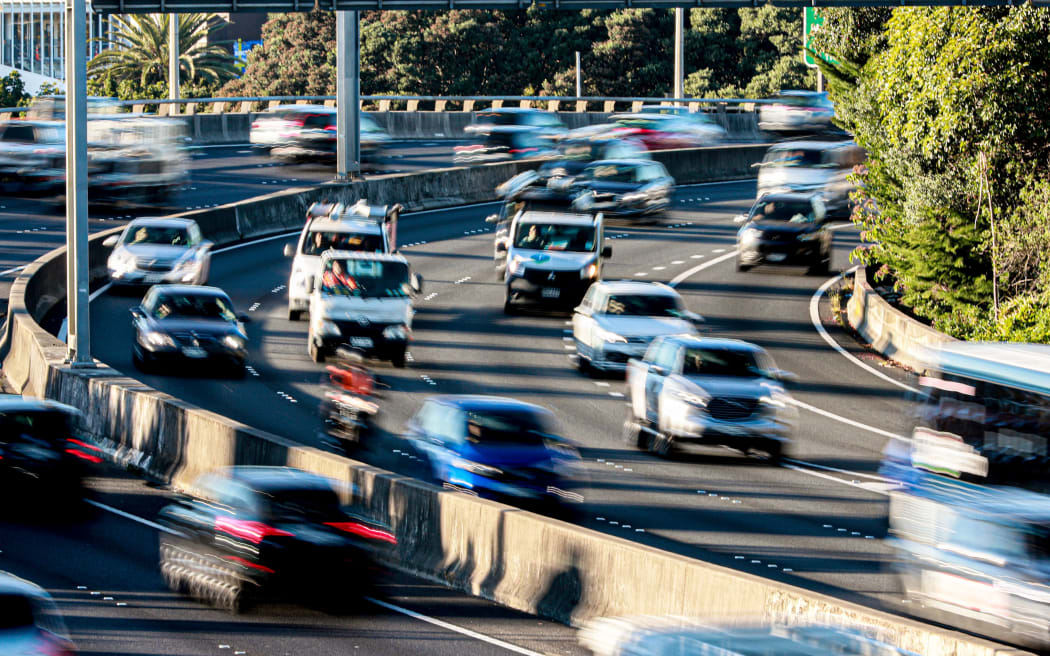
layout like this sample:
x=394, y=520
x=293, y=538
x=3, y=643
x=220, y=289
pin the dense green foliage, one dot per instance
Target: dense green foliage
x=952, y=107
x=135, y=61
x=13, y=90
x=752, y=52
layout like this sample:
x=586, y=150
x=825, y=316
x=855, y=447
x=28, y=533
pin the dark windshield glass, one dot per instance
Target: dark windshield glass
x=170, y=236
x=49, y=426
x=365, y=278
x=319, y=241
x=612, y=173
x=721, y=362
x=16, y=612
x=796, y=157
x=805, y=100
x=643, y=306
x=193, y=307
x=778, y=210
x=498, y=118
x=540, y=237
x=312, y=504
x=506, y=427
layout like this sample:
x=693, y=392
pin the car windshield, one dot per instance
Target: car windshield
x=805, y=100
x=51, y=426
x=656, y=123
x=801, y=157
x=365, y=278
x=318, y=241
x=501, y=118
x=556, y=237
x=167, y=235
x=613, y=173
x=639, y=305
x=310, y=503
x=778, y=210
x=521, y=427
x=16, y=612
x=197, y=306
x=716, y=361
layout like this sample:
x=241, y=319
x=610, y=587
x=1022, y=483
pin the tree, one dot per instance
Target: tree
x=13, y=90
x=296, y=58
x=135, y=57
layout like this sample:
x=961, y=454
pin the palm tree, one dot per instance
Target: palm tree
x=137, y=50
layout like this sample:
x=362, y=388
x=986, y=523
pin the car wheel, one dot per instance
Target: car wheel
x=741, y=267
x=316, y=353
x=508, y=305
x=633, y=434
x=140, y=361
x=662, y=445
x=399, y=359
x=821, y=267
x=772, y=451
x=584, y=365
x=295, y=315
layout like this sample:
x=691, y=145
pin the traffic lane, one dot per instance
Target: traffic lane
x=103, y=574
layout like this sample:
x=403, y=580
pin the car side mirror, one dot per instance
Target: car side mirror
x=785, y=376
x=416, y=282
x=111, y=241
x=607, y=252
x=583, y=309
x=501, y=247
x=136, y=312
x=207, y=245
x=492, y=218
x=658, y=369
x=693, y=316
x=289, y=250
x=740, y=218
x=244, y=318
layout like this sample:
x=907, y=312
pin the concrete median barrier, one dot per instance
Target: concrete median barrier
x=524, y=561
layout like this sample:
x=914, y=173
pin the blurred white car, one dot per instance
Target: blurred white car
x=797, y=110
x=812, y=167
x=159, y=250
x=268, y=129
x=29, y=621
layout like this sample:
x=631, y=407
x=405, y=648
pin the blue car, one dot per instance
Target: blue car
x=496, y=448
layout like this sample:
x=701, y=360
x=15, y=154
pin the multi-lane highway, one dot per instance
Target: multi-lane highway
x=816, y=522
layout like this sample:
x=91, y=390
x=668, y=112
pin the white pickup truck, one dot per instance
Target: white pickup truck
x=697, y=390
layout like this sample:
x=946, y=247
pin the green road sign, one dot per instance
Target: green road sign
x=811, y=22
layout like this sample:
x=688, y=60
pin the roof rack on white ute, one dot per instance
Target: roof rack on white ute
x=360, y=209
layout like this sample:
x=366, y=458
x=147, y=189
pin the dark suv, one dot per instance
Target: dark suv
x=785, y=229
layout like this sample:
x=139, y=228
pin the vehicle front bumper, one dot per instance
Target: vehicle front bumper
x=139, y=278
x=611, y=356
x=791, y=251
x=567, y=288
x=211, y=353
x=698, y=427
x=368, y=339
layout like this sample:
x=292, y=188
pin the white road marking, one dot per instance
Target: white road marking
x=677, y=280
x=659, y=268
x=850, y=422
x=134, y=518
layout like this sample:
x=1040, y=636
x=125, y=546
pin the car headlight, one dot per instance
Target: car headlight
x=750, y=234
x=590, y=271
x=395, y=332
x=476, y=468
x=691, y=398
x=632, y=198
x=234, y=342
x=121, y=261
x=158, y=339
x=190, y=261
x=516, y=266
x=328, y=328
x=603, y=335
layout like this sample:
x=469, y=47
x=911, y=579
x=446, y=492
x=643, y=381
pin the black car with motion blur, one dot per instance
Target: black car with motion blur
x=190, y=325
x=785, y=229
x=254, y=533
x=42, y=455
x=624, y=187
x=506, y=142
x=576, y=152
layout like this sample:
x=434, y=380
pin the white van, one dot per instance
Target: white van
x=362, y=300
x=359, y=227
x=812, y=167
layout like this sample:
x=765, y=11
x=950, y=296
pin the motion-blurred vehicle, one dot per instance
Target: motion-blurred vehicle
x=982, y=415
x=312, y=136
x=136, y=158
x=792, y=111
x=617, y=320
x=667, y=131
x=188, y=324
x=812, y=167
x=624, y=188
x=53, y=108
x=977, y=552
x=362, y=300
x=697, y=390
x=576, y=152
x=785, y=229
x=269, y=129
x=349, y=409
x=42, y=455
x=702, y=119
x=548, y=257
x=491, y=119
x=359, y=227
x=497, y=448
x=252, y=533
x=29, y=620
x=506, y=142
x=669, y=636
x=32, y=155
x=159, y=250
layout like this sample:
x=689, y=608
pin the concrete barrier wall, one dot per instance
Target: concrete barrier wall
x=214, y=129
x=521, y=560
x=888, y=330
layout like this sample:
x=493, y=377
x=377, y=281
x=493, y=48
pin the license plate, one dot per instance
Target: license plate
x=153, y=277
x=363, y=342
x=776, y=257
x=194, y=352
x=551, y=292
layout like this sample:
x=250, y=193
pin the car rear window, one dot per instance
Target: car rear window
x=49, y=426
x=522, y=427
x=16, y=612
x=310, y=503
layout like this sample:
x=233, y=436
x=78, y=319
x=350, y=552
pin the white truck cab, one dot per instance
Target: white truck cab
x=359, y=227
x=363, y=300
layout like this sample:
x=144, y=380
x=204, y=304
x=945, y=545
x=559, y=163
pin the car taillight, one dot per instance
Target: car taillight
x=357, y=528
x=78, y=450
x=330, y=127
x=255, y=124
x=252, y=531
x=248, y=563
x=515, y=151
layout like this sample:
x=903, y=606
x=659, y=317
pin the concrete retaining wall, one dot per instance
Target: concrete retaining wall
x=889, y=331
x=521, y=560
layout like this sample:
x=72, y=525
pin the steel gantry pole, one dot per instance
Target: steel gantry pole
x=679, y=53
x=173, y=59
x=348, y=95
x=78, y=327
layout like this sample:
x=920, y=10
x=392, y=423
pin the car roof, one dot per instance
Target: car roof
x=42, y=123
x=11, y=584
x=646, y=115
x=790, y=197
x=513, y=129
x=364, y=255
x=162, y=221
x=812, y=145
x=509, y=110
x=634, y=287
x=1024, y=366
x=17, y=403
x=715, y=342
x=345, y=225
x=189, y=290
x=272, y=478
x=303, y=108
x=556, y=217
x=482, y=403
x=621, y=162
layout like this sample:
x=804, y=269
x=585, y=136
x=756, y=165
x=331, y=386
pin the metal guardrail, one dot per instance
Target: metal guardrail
x=440, y=103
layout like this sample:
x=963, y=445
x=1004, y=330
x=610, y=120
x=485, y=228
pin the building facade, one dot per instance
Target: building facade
x=32, y=40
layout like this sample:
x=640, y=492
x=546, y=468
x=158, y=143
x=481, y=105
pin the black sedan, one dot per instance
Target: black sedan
x=187, y=324
x=785, y=229
x=623, y=187
x=253, y=533
x=575, y=153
